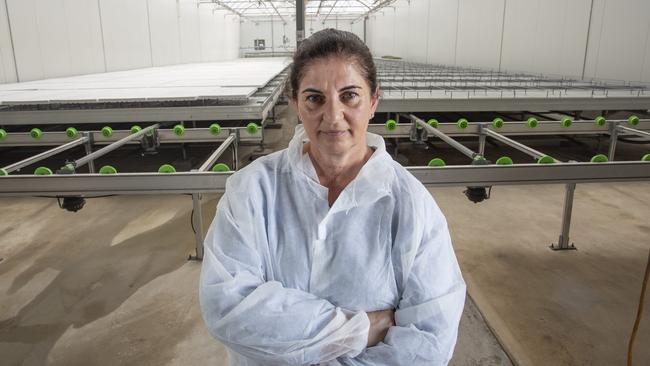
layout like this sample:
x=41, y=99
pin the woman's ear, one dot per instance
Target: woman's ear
x=374, y=101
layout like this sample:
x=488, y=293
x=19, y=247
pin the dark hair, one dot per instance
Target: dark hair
x=332, y=42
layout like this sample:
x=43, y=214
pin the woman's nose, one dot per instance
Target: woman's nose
x=333, y=111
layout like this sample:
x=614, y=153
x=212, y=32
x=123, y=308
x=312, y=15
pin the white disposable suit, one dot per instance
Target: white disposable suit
x=287, y=279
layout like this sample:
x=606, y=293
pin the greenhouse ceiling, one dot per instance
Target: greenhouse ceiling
x=286, y=9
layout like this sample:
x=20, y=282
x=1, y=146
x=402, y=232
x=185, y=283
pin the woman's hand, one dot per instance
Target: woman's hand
x=380, y=321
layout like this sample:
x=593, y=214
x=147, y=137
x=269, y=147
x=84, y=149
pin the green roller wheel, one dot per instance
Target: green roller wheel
x=462, y=123
x=107, y=169
x=36, y=133
x=436, y=162
x=497, y=123
x=532, y=122
x=166, y=168
x=391, y=125
x=135, y=129
x=504, y=160
x=179, y=130
x=71, y=132
x=42, y=170
x=600, y=121
x=600, y=158
x=3, y=172
x=215, y=129
x=3, y=134
x=545, y=160
x=566, y=122
x=107, y=131
x=252, y=128
x=645, y=157
x=433, y=123
x=633, y=120
x=221, y=167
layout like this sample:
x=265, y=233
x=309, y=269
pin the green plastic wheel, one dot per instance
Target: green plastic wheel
x=645, y=157
x=633, y=120
x=36, y=133
x=107, y=131
x=433, y=123
x=497, y=123
x=600, y=158
x=135, y=129
x=107, y=169
x=504, y=160
x=215, y=129
x=391, y=125
x=166, y=168
x=252, y=128
x=221, y=167
x=532, y=122
x=3, y=134
x=71, y=132
x=179, y=130
x=600, y=121
x=3, y=172
x=42, y=170
x=462, y=123
x=566, y=122
x=545, y=160
x=436, y=162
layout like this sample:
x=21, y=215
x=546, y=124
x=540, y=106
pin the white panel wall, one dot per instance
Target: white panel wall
x=479, y=33
x=281, y=37
x=165, y=32
x=547, y=36
x=537, y=36
x=189, y=32
x=618, y=40
x=84, y=36
x=125, y=25
x=441, y=31
x=54, y=38
x=7, y=66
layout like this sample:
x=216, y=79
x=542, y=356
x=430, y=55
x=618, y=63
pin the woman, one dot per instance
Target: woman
x=329, y=252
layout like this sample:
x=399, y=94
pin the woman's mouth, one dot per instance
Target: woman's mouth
x=334, y=133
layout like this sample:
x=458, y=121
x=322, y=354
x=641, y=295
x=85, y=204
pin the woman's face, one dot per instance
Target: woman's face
x=335, y=103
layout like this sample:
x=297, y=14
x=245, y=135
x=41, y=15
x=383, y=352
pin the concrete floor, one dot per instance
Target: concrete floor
x=111, y=284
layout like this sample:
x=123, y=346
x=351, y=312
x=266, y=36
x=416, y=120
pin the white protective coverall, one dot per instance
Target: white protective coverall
x=287, y=280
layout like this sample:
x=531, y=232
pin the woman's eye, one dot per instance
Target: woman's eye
x=349, y=96
x=314, y=98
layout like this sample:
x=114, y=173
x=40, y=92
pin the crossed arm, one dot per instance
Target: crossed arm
x=265, y=321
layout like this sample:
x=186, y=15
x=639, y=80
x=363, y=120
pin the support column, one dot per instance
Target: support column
x=197, y=224
x=613, y=137
x=563, y=241
x=300, y=21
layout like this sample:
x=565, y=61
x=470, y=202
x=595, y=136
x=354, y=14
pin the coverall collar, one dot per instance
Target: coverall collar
x=371, y=183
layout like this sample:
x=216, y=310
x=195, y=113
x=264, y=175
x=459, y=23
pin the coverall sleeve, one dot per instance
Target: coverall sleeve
x=261, y=319
x=429, y=311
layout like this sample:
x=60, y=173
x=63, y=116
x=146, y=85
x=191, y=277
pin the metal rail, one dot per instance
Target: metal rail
x=218, y=152
x=453, y=143
x=113, y=146
x=209, y=182
x=44, y=155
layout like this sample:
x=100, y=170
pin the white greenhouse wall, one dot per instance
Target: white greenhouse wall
x=553, y=37
x=7, y=65
x=53, y=38
x=281, y=37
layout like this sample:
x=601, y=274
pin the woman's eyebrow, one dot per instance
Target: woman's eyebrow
x=312, y=90
x=349, y=87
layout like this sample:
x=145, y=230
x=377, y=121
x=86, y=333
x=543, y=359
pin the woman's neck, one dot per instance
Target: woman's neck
x=335, y=172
